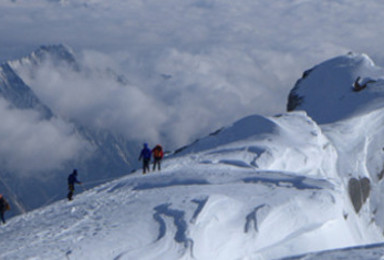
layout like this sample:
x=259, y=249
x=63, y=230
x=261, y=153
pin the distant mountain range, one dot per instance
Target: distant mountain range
x=109, y=155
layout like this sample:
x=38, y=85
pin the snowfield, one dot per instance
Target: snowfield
x=261, y=188
x=215, y=204
x=266, y=194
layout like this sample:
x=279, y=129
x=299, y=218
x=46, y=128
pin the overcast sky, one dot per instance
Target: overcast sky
x=193, y=65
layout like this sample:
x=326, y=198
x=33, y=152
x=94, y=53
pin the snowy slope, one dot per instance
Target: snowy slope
x=352, y=120
x=257, y=197
x=372, y=251
x=326, y=91
x=261, y=188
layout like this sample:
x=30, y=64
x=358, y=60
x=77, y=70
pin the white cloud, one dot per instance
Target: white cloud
x=95, y=98
x=29, y=145
x=220, y=60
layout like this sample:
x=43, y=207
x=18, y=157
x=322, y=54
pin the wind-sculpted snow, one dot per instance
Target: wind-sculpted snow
x=262, y=188
x=255, y=218
x=164, y=210
x=252, y=126
x=327, y=94
x=347, y=93
x=184, y=182
x=260, y=140
x=200, y=205
x=359, y=190
x=285, y=180
x=372, y=251
x=257, y=198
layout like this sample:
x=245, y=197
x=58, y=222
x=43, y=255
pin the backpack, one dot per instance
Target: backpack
x=4, y=205
x=158, y=152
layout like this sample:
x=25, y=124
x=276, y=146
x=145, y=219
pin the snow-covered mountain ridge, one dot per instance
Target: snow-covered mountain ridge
x=262, y=188
x=346, y=96
x=41, y=145
x=328, y=92
x=220, y=203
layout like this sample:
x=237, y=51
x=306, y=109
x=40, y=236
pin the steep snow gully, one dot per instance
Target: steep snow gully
x=277, y=187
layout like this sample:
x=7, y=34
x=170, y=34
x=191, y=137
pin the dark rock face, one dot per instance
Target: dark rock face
x=57, y=54
x=18, y=94
x=294, y=99
x=359, y=190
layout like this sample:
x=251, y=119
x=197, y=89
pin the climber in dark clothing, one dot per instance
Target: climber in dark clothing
x=72, y=179
x=4, y=206
x=145, y=155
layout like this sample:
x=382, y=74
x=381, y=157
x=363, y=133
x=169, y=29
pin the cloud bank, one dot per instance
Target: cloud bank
x=30, y=145
x=192, y=66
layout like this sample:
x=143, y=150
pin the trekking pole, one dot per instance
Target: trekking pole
x=84, y=189
x=102, y=181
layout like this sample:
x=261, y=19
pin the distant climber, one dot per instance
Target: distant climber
x=72, y=179
x=145, y=155
x=4, y=206
x=158, y=154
